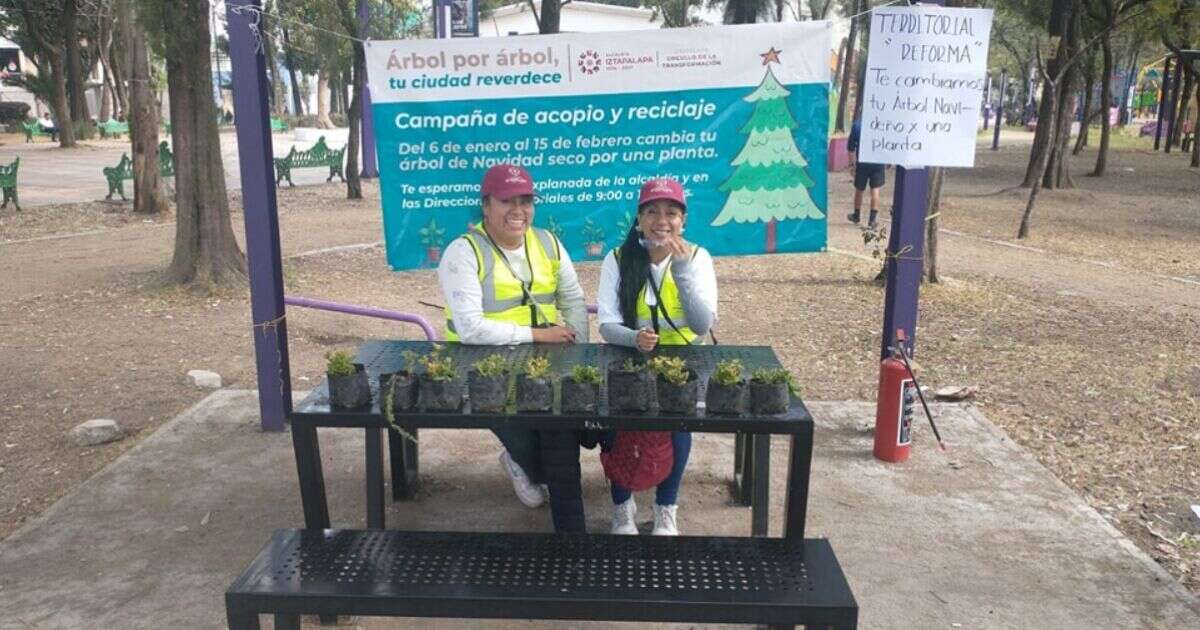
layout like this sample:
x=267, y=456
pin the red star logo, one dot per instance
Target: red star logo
x=771, y=56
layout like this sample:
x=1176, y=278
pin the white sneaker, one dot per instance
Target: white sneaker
x=528, y=493
x=623, y=518
x=664, y=520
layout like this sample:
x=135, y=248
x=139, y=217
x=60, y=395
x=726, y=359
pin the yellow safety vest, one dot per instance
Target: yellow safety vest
x=670, y=304
x=504, y=300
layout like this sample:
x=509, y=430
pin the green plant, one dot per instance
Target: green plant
x=432, y=235
x=586, y=374
x=775, y=376
x=438, y=367
x=491, y=365
x=389, y=412
x=537, y=367
x=674, y=370
x=411, y=360
x=632, y=365
x=728, y=372
x=592, y=232
x=340, y=363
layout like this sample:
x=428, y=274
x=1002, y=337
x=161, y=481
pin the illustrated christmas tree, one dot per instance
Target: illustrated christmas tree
x=769, y=181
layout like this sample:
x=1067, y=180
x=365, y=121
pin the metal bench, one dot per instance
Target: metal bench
x=32, y=129
x=112, y=128
x=777, y=581
x=123, y=170
x=320, y=155
x=8, y=182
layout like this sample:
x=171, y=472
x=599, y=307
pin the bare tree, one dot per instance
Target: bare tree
x=149, y=191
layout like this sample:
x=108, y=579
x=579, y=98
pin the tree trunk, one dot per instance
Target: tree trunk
x=847, y=69
x=1042, y=137
x=1082, y=139
x=75, y=90
x=149, y=192
x=102, y=48
x=354, y=120
x=1105, y=106
x=1039, y=165
x=335, y=94
x=323, y=120
x=1058, y=174
x=206, y=252
x=933, y=208
x=1182, y=110
x=550, y=17
x=1196, y=136
x=117, y=60
x=289, y=59
x=60, y=104
x=278, y=109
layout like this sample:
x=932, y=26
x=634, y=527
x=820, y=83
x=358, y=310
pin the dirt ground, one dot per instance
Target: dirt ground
x=1104, y=392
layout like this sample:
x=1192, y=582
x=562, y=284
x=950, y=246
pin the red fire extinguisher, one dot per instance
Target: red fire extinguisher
x=898, y=390
x=893, y=411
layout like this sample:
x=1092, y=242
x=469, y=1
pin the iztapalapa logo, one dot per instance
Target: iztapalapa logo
x=589, y=62
x=514, y=176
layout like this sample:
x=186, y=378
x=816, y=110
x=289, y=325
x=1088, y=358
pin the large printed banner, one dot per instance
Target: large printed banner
x=739, y=114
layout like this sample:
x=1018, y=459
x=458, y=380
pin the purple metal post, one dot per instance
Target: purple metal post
x=1164, y=91
x=905, y=257
x=261, y=214
x=1173, y=102
x=365, y=311
x=369, y=166
x=1000, y=109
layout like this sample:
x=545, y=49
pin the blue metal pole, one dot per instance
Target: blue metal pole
x=369, y=166
x=261, y=213
x=905, y=257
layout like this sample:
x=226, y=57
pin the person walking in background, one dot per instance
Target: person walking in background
x=864, y=174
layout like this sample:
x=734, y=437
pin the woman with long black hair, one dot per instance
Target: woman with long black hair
x=657, y=288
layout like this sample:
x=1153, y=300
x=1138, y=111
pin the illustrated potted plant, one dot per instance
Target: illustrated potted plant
x=628, y=386
x=487, y=384
x=440, y=388
x=432, y=237
x=535, y=391
x=581, y=390
x=348, y=384
x=593, y=239
x=726, y=389
x=769, y=390
x=398, y=389
x=676, y=384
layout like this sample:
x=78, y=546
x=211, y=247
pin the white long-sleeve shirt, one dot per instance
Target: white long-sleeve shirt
x=458, y=274
x=697, y=283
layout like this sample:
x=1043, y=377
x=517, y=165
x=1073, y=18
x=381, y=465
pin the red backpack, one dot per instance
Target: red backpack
x=639, y=460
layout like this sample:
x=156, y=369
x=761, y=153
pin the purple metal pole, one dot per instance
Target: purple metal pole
x=365, y=311
x=1173, y=102
x=1000, y=109
x=905, y=258
x=1164, y=91
x=370, y=169
x=261, y=214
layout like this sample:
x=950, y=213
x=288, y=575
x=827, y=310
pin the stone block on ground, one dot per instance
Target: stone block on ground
x=205, y=379
x=95, y=432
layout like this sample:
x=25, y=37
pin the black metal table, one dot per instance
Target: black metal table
x=386, y=356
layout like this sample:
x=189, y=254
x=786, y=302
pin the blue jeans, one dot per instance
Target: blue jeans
x=667, y=492
x=552, y=458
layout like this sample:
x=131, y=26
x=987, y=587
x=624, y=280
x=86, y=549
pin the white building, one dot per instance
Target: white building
x=576, y=17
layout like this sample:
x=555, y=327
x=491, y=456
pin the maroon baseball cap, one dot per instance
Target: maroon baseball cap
x=505, y=181
x=662, y=188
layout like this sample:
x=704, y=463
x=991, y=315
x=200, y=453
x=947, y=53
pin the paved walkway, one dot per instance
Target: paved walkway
x=50, y=174
x=979, y=537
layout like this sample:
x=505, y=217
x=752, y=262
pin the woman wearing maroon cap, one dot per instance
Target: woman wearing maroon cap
x=506, y=282
x=657, y=289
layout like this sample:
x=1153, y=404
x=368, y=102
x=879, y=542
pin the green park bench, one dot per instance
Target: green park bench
x=116, y=175
x=8, y=181
x=279, y=124
x=32, y=129
x=112, y=128
x=320, y=155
